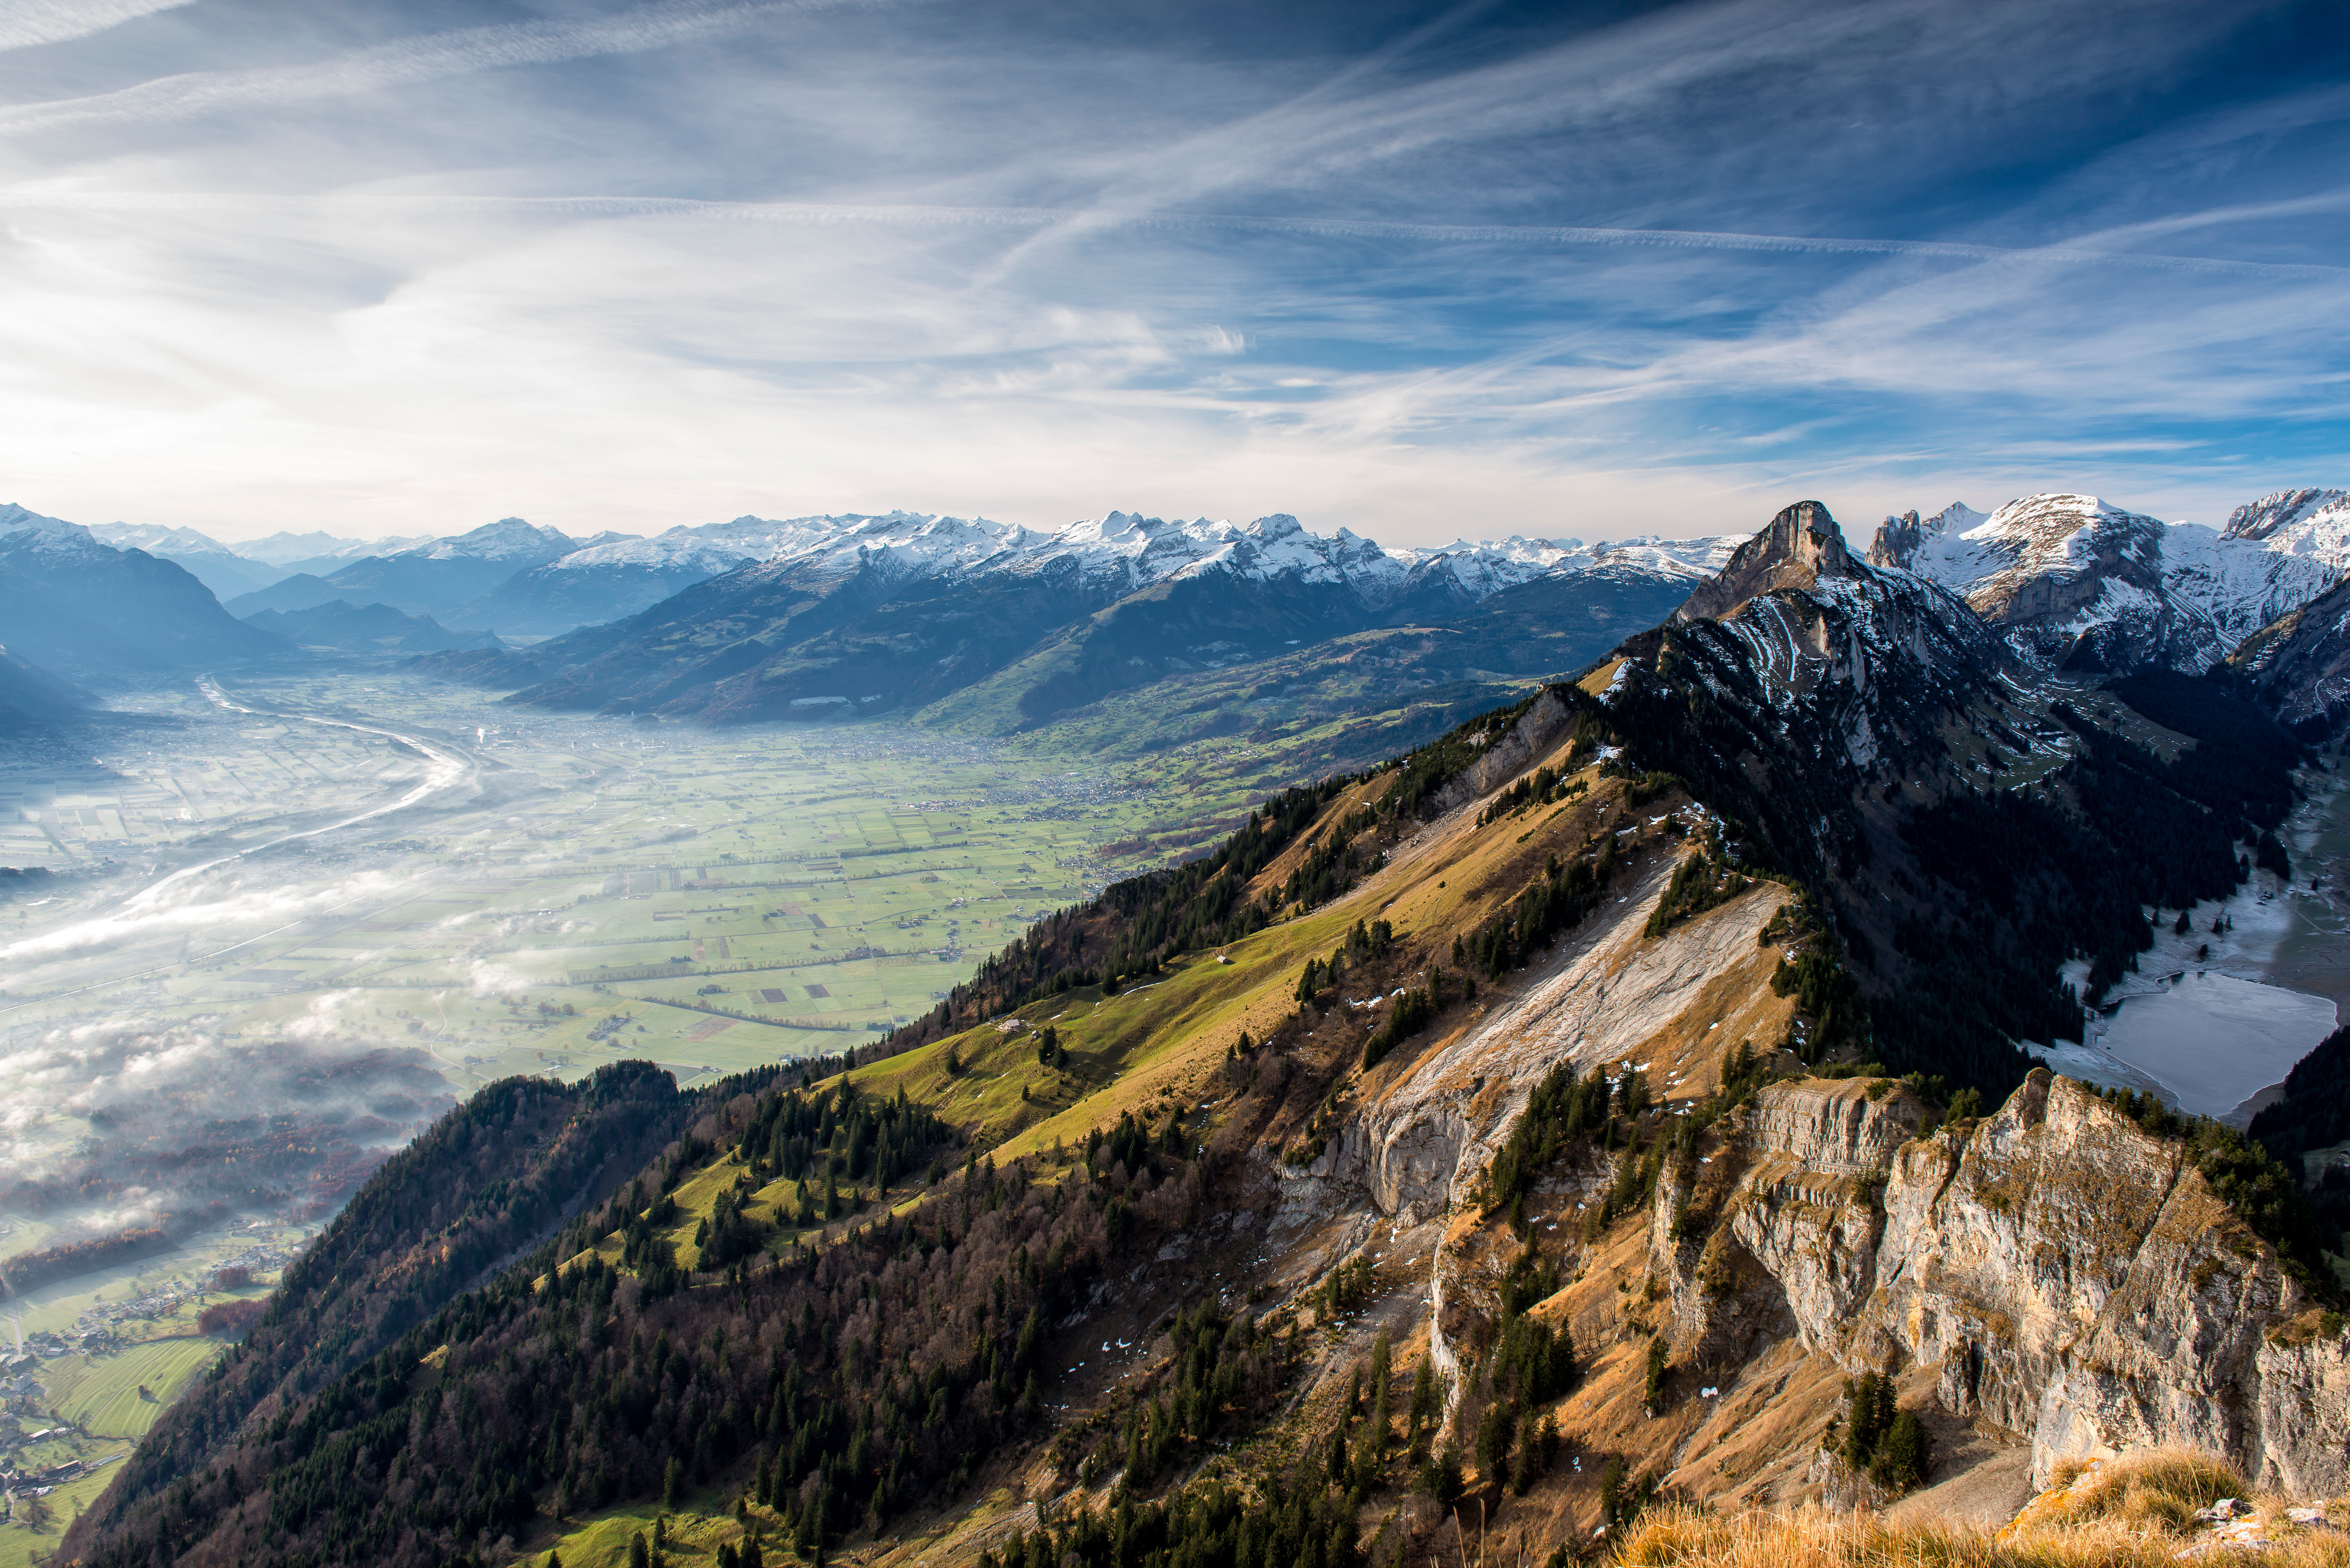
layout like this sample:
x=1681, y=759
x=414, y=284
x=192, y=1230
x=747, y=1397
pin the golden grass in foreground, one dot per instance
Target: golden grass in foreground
x=2136, y=1511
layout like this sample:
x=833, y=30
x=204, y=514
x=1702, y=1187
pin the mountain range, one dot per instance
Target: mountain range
x=1620, y=1100
x=80, y=606
x=2075, y=582
x=866, y=615
x=974, y=626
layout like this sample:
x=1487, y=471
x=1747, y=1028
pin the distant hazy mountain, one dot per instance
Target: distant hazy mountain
x=443, y=574
x=305, y=551
x=31, y=698
x=212, y=562
x=82, y=607
x=370, y=628
x=298, y=592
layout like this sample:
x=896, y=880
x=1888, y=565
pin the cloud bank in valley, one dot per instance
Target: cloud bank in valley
x=133, y=1122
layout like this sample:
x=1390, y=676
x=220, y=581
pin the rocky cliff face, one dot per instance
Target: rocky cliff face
x=1607, y=994
x=2073, y=581
x=2320, y=517
x=2300, y=664
x=1802, y=546
x=2052, y=1272
x=2065, y=1275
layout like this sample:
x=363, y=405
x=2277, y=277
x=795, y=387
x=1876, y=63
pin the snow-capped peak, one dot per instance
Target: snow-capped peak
x=1955, y=518
x=23, y=529
x=156, y=539
x=2298, y=511
x=507, y=539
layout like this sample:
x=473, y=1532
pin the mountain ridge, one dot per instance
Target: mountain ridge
x=80, y=606
x=2073, y=581
x=1630, y=1072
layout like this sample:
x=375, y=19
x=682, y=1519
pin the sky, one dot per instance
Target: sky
x=1425, y=271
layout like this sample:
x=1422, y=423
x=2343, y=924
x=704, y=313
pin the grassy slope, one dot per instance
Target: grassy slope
x=1160, y=1045
x=102, y=1393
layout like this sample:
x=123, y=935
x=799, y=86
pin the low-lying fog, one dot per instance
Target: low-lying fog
x=286, y=922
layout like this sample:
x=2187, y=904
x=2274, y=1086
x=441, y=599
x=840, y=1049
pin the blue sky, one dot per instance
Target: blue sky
x=1425, y=271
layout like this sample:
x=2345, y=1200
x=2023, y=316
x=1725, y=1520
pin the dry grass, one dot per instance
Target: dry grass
x=2136, y=1511
x=2151, y=1489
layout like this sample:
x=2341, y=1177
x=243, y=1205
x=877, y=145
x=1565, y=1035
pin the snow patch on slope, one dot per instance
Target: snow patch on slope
x=2055, y=569
x=30, y=532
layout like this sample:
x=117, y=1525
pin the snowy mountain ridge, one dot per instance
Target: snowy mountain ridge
x=22, y=529
x=284, y=549
x=1128, y=551
x=2071, y=579
x=507, y=539
x=156, y=539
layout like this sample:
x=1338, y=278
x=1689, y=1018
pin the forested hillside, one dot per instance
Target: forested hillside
x=1103, y=1225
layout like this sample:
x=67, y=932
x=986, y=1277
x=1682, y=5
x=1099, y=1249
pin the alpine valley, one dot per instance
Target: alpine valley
x=1654, y=1051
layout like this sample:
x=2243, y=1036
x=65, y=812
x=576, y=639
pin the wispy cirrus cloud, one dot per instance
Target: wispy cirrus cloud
x=1394, y=270
x=404, y=62
x=24, y=24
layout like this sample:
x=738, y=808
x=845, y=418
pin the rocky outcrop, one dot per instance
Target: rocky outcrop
x=1608, y=993
x=1802, y=546
x=2300, y=665
x=2051, y=1270
x=1846, y=1129
x=2320, y=516
x=1899, y=539
x=1538, y=730
x=2063, y=1273
x=1858, y=670
x=2073, y=581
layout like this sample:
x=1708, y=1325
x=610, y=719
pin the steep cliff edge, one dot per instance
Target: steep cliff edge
x=2064, y=1274
x=2052, y=1275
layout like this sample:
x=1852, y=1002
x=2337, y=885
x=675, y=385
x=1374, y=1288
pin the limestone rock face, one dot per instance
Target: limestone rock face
x=2052, y=1270
x=2069, y=1277
x=1802, y=546
x=1607, y=994
x=1511, y=752
x=1843, y=1130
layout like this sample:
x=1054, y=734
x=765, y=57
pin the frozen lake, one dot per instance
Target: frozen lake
x=2215, y=1040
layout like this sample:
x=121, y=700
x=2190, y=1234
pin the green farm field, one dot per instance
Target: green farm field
x=21, y=1546
x=101, y=1393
